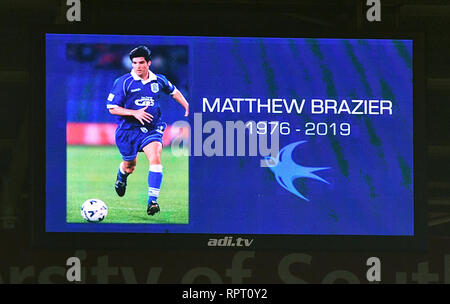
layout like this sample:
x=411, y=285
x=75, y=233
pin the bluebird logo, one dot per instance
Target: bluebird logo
x=154, y=87
x=286, y=170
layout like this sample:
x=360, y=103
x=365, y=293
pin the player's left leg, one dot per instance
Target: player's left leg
x=155, y=175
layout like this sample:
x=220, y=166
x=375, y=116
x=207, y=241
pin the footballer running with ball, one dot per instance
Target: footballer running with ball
x=135, y=99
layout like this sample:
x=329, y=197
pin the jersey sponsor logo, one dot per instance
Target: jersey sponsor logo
x=154, y=87
x=110, y=97
x=135, y=90
x=145, y=101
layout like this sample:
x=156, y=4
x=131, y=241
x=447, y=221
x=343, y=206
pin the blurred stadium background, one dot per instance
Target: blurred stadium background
x=92, y=157
x=91, y=71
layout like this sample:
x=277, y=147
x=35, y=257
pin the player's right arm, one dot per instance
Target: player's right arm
x=140, y=114
x=116, y=105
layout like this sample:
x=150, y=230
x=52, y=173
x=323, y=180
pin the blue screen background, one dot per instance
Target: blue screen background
x=370, y=190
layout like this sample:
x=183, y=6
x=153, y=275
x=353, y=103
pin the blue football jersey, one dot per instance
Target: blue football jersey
x=131, y=92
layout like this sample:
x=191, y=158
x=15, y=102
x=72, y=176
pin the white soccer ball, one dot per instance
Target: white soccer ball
x=94, y=210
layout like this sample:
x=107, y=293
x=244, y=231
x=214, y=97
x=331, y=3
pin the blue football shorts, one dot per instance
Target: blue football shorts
x=132, y=141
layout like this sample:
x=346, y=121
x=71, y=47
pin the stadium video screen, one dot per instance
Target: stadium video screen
x=222, y=135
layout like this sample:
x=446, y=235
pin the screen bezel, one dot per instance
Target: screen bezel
x=42, y=239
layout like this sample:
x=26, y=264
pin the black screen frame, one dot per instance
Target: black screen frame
x=71, y=240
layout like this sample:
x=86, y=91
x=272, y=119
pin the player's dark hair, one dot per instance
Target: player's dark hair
x=141, y=51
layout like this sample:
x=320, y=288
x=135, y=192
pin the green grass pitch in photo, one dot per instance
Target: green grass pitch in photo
x=91, y=173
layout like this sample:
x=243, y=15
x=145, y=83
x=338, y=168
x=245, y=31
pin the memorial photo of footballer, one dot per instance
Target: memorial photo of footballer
x=103, y=159
x=135, y=98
